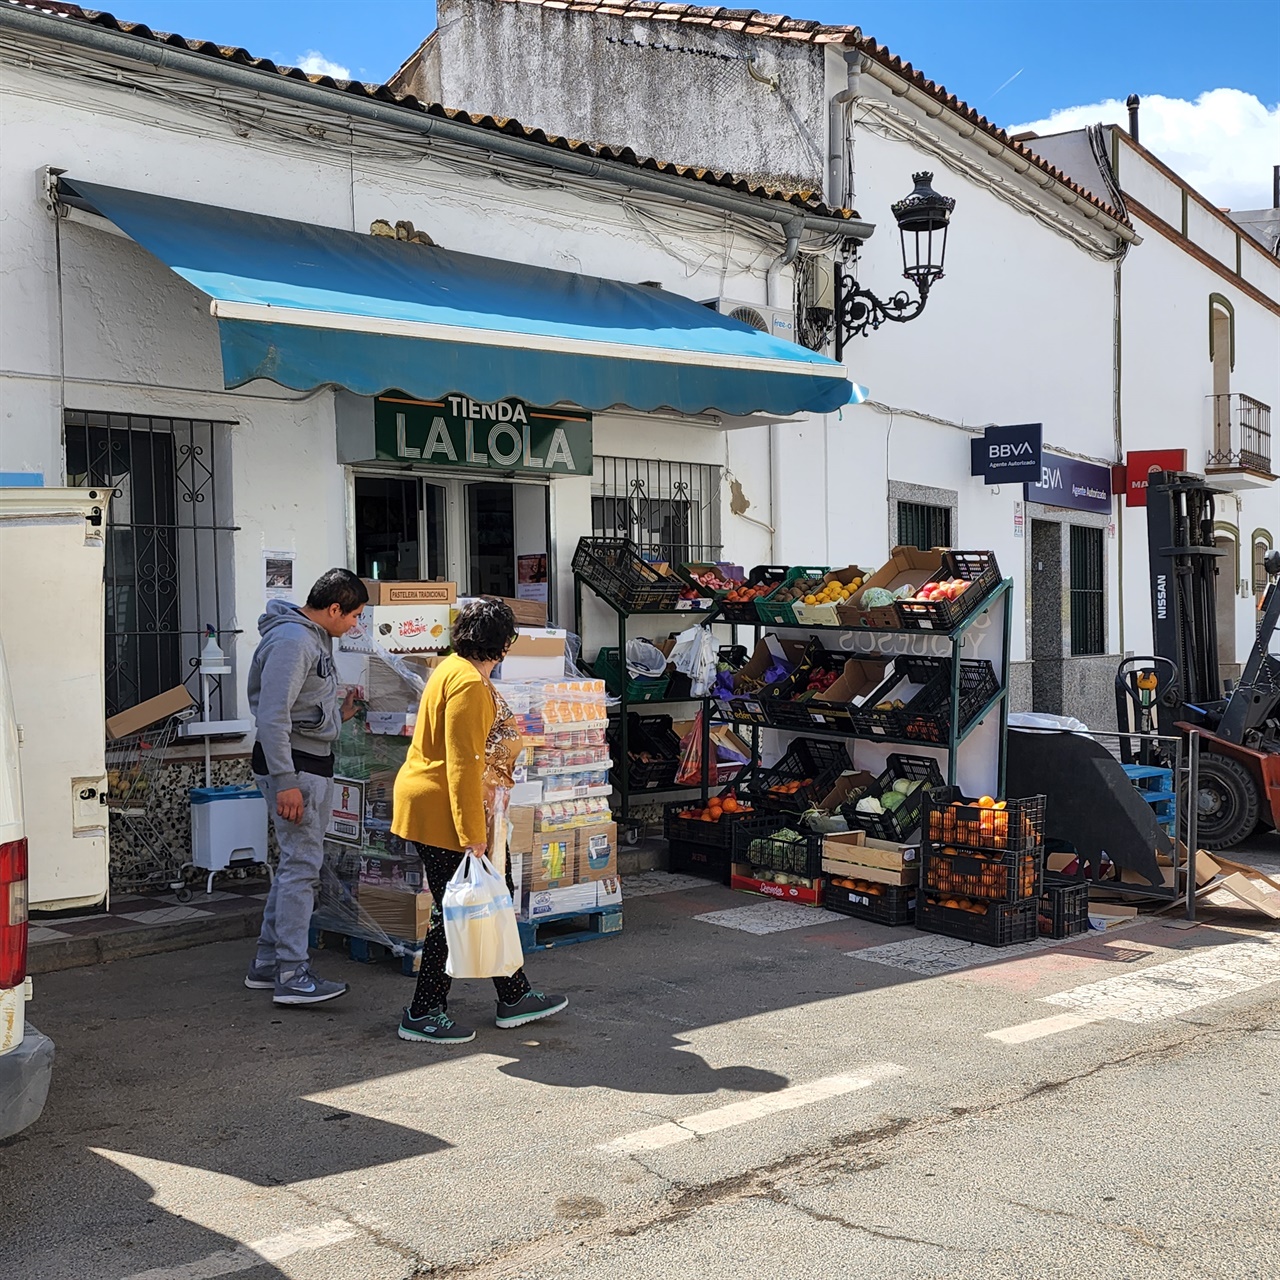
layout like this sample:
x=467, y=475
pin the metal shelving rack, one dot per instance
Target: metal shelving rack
x=1000, y=597
x=699, y=617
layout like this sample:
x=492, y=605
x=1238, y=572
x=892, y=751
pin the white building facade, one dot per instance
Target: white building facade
x=1048, y=280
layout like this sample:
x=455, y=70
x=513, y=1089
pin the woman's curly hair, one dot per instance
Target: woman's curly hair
x=484, y=631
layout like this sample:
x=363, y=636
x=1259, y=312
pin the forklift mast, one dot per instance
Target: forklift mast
x=1180, y=513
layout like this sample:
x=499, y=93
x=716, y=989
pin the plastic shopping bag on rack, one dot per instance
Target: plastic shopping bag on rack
x=480, y=923
x=689, y=772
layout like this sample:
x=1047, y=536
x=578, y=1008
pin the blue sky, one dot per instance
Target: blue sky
x=1017, y=61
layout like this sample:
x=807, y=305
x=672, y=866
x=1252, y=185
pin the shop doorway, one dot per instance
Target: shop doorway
x=485, y=535
x=1046, y=616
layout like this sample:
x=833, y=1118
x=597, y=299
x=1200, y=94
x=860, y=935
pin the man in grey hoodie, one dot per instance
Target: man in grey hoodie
x=293, y=694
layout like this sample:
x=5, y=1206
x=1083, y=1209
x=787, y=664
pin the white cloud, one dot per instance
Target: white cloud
x=1224, y=143
x=314, y=63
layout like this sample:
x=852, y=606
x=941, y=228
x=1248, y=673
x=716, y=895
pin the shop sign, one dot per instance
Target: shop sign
x=1007, y=455
x=507, y=436
x=1140, y=464
x=1068, y=482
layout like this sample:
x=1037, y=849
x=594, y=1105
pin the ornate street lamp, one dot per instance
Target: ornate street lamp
x=922, y=220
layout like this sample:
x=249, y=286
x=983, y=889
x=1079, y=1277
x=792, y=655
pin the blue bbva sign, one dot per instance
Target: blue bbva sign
x=1068, y=482
x=1007, y=455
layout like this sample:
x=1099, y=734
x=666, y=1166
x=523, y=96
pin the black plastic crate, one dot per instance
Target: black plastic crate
x=716, y=835
x=772, y=574
x=903, y=821
x=997, y=877
x=707, y=861
x=998, y=925
x=926, y=717
x=652, y=735
x=978, y=568
x=788, y=704
x=955, y=819
x=801, y=857
x=812, y=761
x=1064, y=907
x=887, y=904
x=616, y=571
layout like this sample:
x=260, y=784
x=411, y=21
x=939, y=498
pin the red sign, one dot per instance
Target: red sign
x=1140, y=464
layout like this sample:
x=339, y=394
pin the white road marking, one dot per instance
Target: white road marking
x=645, y=883
x=1177, y=986
x=245, y=1257
x=771, y=917
x=931, y=954
x=735, y=1113
x=1040, y=1028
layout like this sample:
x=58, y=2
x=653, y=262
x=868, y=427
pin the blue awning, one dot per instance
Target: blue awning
x=306, y=306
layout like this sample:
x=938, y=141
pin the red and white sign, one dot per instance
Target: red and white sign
x=1140, y=464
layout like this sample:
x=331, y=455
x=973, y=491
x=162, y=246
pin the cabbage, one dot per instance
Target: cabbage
x=868, y=804
x=904, y=786
x=892, y=801
x=876, y=598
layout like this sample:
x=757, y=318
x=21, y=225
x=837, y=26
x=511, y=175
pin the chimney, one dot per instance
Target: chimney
x=1132, y=104
x=1275, y=186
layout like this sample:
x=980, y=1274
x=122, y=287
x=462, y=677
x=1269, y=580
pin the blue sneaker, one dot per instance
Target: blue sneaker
x=301, y=986
x=529, y=1008
x=261, y=977
x=435, y=1026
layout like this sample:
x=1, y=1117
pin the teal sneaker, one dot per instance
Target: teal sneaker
x=434, y=1026
x=529, y=1008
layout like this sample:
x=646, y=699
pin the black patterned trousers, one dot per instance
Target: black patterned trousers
x=432, y=991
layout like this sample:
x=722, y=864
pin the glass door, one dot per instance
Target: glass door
x=400, y=528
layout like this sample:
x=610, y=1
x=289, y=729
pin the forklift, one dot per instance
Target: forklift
x=1179, y=688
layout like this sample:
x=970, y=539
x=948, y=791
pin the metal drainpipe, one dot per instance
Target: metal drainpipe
x=474, y=137
x=784, y=259
x=836, y=159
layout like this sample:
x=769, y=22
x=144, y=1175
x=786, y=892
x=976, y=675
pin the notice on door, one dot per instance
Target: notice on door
x=508, y=436
x=531, y=577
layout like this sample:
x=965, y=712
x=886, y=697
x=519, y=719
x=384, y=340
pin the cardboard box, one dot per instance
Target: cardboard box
x=399, y=913
x=145, y=714
x=846, y=786
x=529, y=613
x=552, y=862
x=391, y=724
x=1254, y=891
x=537, y=654
x=574, y=899
x=346, y=818
x=597, y=852
x=826, y=615
x=401, y=629
x=743, y=880
x=519, y=829
x=1107, y=915
x=906, y=566
x=859, y=679
x=384, y=870
x=386, y=591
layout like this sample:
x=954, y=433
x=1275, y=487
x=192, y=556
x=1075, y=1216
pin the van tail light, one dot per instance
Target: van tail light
x=13, y=913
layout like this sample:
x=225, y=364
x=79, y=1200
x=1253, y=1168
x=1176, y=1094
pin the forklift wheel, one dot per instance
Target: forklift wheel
x=1228, y=802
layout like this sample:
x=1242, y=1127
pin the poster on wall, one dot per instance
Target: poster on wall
x=277, y=575
x=531, y=577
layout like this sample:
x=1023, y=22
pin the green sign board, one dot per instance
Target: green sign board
x=507, y=436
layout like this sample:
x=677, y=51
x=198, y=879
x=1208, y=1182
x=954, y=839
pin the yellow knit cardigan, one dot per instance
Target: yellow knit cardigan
x=439, y=792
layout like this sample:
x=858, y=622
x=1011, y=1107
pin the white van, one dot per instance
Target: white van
x=26, y=1056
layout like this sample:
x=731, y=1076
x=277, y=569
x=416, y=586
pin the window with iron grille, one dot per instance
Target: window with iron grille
x=924, y=526
x=168, y=547
x=670, y=509
x=1088, y=616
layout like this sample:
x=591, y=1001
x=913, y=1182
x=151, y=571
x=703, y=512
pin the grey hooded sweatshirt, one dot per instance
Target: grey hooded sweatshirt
x=293, y=690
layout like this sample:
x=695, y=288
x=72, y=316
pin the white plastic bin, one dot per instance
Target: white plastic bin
x=228, y=825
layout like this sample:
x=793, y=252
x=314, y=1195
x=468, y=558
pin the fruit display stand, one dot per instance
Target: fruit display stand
x=615, y=572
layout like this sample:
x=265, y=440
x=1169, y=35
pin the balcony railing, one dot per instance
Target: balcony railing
x=1241, y=434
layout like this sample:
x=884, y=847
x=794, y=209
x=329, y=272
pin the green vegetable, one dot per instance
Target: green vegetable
x=892, y=801
x=876, y=598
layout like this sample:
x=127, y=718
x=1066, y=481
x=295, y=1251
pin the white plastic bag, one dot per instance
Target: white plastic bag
x=480, y=923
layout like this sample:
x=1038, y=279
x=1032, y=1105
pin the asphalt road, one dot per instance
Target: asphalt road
x=715, y=1102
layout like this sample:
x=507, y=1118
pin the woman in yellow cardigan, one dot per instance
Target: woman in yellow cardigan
x=460, y=751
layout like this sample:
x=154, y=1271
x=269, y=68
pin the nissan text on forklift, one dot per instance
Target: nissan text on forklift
x=1179, y=689
x=26, y=1056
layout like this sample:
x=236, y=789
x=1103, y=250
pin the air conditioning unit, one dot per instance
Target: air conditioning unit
x=775, y=320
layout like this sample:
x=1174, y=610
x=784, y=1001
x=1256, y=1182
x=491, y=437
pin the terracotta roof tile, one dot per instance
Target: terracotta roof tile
x=810, y=201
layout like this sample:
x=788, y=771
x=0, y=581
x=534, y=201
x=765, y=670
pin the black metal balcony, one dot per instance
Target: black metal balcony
x=1241, y=435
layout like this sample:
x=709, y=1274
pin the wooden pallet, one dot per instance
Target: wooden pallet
x=565, y=930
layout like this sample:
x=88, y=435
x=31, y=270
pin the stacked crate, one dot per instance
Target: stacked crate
x=982, y=868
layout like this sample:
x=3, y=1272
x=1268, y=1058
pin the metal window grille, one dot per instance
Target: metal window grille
x=924, y=526
x=168, y=548
x=1088, y=618
x=670, y=509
